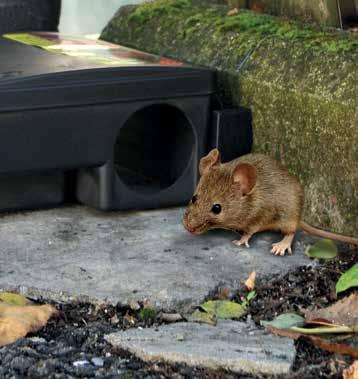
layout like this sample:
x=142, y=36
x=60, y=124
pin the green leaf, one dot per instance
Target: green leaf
x=322, y=249
x=285, y=321
x=224, y=309
x=251, y=295
x=13, y=299
x=324, y=330
x=348, y=280
x=202, y=317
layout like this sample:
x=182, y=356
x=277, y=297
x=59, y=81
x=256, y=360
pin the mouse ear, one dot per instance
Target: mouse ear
x=209, y=161
x=245, y=176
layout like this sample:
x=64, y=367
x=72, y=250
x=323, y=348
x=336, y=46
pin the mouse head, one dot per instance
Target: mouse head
x=222, y=197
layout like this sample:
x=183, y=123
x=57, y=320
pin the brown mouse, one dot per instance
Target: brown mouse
x=250, y=194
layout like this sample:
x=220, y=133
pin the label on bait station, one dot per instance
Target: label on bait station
x=93, y=50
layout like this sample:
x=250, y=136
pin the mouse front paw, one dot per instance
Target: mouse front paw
x=244, y=240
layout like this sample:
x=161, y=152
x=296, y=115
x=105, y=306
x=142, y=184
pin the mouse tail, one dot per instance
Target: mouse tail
x=324, y=234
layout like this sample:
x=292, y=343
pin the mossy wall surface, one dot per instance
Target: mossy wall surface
x=324, y=12
x=321, y=11
x=301, y=84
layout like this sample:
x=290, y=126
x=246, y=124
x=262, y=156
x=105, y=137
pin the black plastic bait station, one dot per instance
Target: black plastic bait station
x=109, y=126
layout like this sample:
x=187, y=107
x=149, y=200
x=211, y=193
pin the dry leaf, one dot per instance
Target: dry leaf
x=331, y=329
x=334, y=347
x=250, y=281
x=130, y=319
x=170, y=317
x=284, y=332
x=351, y=372
x=322, y=343
x=233, y=12
x=342, y=313
x=17, y=321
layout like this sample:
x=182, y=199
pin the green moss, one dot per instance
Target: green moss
x=316, y=144
x=175, y=24
x=245, y=23
x=147, y=314
x=151, y=9
x=193, y=20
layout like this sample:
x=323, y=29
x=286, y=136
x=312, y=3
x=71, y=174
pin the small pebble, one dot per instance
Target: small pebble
x=81, y=363
x=115, y=320
x=134, y=306
x=99, y=362
x=179, y=337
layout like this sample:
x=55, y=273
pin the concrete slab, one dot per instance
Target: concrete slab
x=119, y=257
x=230, y=345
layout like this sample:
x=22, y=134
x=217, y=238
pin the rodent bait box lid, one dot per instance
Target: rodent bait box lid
x=48, y=70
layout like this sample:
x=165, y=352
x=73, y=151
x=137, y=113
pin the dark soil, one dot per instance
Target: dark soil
x=77, y=334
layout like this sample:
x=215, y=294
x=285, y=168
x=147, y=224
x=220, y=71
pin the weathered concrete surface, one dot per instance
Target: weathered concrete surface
x=230, y=345
x=120, y=257
x=301, y=84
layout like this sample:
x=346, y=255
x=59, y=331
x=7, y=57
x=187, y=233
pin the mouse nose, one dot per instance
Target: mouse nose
x=187, y=226
x=191, y=230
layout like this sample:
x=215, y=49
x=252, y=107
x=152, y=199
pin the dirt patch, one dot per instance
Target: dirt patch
x=72, y=345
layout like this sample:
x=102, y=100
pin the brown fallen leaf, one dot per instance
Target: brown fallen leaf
x=341, y=313
x=334, y=347
x=250, y=281
x=283, y=332
x=17, y=321
x=351, y=372
x=322, y=343
x=130, y=319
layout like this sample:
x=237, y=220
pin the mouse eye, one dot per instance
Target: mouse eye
x=193, y=199
x=216, y=209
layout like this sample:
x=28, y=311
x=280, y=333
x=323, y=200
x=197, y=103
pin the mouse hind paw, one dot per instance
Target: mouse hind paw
x=280, y=248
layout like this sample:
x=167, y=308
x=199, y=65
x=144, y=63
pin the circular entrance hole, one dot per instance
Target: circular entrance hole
x=153, y=148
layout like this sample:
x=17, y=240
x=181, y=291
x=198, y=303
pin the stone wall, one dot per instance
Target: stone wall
x=301, y=84
x=325, y=12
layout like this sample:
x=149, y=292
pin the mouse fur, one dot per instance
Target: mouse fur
x=250, y=194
